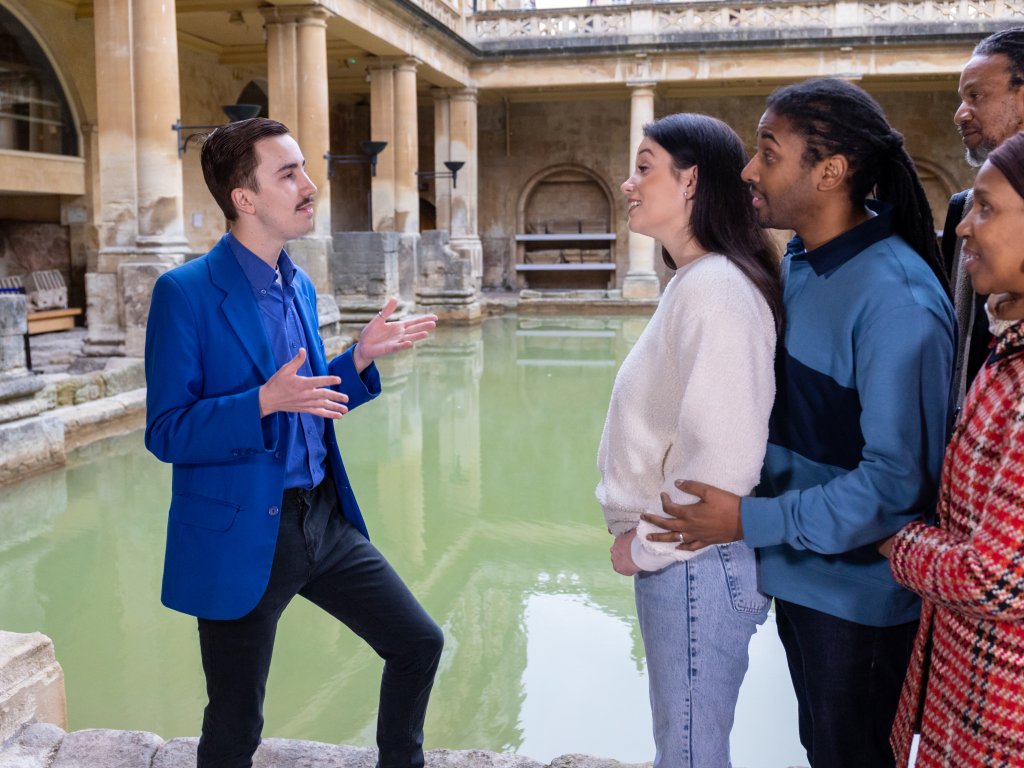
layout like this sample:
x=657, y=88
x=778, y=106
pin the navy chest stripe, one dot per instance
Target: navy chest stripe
x=814, y=416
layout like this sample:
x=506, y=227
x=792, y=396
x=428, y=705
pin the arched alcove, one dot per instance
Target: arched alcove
x=35, y=115
x=565, y=230
x=938, y=185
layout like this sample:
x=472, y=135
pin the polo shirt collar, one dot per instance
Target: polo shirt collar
x=839, y=250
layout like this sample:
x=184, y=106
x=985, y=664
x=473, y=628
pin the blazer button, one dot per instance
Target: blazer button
x=273, y=511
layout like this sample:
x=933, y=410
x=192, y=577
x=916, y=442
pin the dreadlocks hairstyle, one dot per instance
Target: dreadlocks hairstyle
x=723, y=220
x=838, y=118
x=1009, y=43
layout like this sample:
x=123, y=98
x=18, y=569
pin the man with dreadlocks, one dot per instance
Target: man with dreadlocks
x=860, y=418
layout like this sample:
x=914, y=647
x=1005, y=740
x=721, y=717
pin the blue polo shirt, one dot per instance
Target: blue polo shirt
x=302, y=434
x=860, y=422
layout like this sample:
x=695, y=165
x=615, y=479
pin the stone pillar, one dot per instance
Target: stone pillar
x=314, y=137
x=463, y=143
x=382, y=128
x=116, y=205
x=442, y=153
x=157, y=105
x=641, y=281
x=407, y=148
x=31, y=683
x=160, y=241
x=282, y=64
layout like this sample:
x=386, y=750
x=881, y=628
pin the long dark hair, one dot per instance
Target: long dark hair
x=722, y=219
x=838, y=118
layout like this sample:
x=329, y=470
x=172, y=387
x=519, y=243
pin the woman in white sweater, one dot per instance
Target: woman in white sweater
x=692, y=400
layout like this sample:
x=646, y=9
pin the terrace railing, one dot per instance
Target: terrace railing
x=495, y=24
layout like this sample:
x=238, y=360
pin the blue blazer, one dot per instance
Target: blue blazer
x=207, y=355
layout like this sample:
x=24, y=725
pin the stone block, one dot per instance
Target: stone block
x=408, y=264
x=30, y=445
x=34, y=746
x=102, y=301
x=31, y=683
x=588, y=761
x=365, y=264
x=124, y=378
x=475, y=758
x=12, y=355
x=137, y=280
x=311, y=255
x=177, y=753
x=13, y=314
x=19, y=387
x=277, y=753
x=102, y=748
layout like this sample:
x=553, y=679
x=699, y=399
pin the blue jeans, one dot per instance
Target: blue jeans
x=320, y=556
x=847, y=678
x=697, y=617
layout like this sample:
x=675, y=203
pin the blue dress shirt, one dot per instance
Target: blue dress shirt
x=303, y=433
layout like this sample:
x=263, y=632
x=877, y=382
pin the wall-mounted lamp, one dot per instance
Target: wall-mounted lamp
x=369, y=151
x=453, y=166
x=235, y=112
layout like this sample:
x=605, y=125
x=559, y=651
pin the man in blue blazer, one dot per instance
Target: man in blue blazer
x=241, y=400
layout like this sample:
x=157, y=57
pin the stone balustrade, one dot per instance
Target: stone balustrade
x=744, y=20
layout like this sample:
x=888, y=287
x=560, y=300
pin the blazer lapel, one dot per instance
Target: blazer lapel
x=240, y=308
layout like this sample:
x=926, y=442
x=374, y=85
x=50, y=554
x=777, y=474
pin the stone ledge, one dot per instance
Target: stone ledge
x=40, y=745
x=31, y=683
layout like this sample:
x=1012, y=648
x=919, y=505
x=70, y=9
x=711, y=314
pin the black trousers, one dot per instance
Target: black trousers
x=323, y=558
x=848, y=679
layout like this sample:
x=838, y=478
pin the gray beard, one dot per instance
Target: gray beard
x=976, y=158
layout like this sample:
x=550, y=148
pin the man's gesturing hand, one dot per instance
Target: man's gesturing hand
x=287, y=391
x=379, y=337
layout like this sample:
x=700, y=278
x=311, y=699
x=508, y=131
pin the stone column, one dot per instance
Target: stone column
x=116, y=204
x=34, y=683
x=442, y=152
x=407, y=148
x=313, y=133
x=160, y=242
x=382, y=128
x=282, y=65
x=463, y=145
x=641, y=281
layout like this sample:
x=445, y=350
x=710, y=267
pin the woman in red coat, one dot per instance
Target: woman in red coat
x=964, y=690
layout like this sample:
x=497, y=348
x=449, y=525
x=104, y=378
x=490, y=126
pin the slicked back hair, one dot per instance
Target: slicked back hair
x=229, y=158
x=836, y=117
x=722, y=219
x=1008, y=43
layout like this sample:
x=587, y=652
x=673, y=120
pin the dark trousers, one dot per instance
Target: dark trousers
x=325, y=559
x=848, y=679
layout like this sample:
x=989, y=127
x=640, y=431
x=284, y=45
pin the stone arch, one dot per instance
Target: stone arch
x=939, y=184
x=567, y=173
x=42, y=60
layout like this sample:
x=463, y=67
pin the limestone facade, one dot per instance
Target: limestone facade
x=543, y=108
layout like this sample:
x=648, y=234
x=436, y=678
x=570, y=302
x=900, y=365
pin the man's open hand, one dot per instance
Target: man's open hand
x=379, y=337
x=287, y=391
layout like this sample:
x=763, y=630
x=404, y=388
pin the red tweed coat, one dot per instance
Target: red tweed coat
x=970, y=571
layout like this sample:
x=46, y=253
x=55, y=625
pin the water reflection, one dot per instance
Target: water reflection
x=475, y=470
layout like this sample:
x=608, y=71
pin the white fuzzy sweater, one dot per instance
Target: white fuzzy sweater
x=690, y=402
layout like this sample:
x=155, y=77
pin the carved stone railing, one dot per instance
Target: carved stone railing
x=492, y=28
x=447, y=12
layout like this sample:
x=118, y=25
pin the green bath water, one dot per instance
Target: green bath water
x=475, y=471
